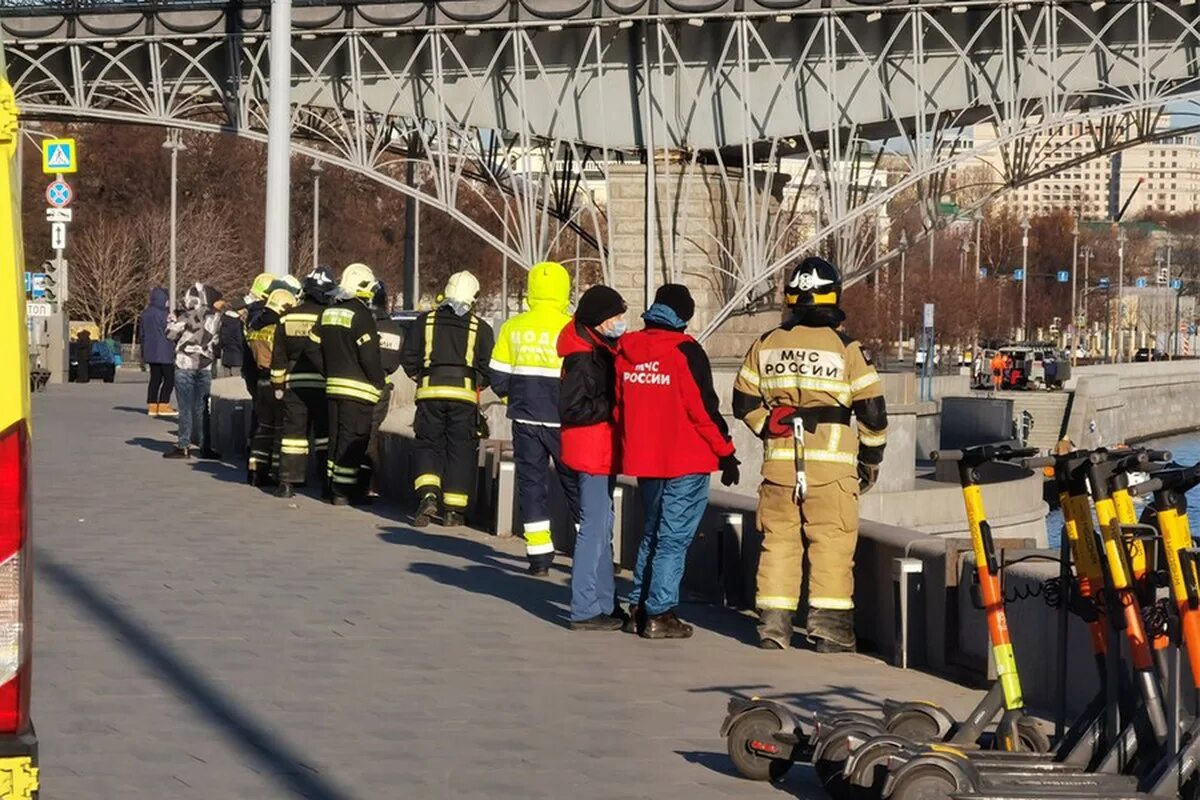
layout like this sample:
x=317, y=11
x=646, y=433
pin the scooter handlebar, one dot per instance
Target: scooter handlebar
x=1161, y=456
x=1039, y=462
x=984, y=453
x=1146, y=487
x=946, y=455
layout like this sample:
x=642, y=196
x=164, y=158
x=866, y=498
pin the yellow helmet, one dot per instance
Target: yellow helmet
x=262, y=285
x=358, y=280
x=280, y=300
x=462, y=287
x=291, y=282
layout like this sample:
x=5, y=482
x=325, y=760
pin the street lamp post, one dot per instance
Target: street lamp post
x=276, y=259
x=1074, y=273
x=173, y=144
x=978, y=243
x=962, y=259
x=316, y=170
x=903, y=247
x=1024, y=273
x=1120, y=293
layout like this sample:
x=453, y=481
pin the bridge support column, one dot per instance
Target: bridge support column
x=701, y=218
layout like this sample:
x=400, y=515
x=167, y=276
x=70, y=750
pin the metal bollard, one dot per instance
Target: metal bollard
x=506, y=486
x=618, y=527
x=908, y=594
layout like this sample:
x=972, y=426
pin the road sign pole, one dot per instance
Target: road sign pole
x=1074, y=272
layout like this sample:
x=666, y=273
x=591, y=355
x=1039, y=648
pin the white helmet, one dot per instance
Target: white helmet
x=358, y=280
x=463, y=287
x=280, y=300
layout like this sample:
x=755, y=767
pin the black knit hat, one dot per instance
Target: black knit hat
x=678, y=298
x=598, y=304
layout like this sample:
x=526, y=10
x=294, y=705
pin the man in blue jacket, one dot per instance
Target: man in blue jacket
x=158, y=353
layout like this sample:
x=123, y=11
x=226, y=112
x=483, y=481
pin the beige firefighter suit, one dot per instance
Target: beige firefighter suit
x=825, y=375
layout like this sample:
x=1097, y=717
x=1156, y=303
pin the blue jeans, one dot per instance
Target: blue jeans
x=592, y=587
x=672, y=508
x=192, y=388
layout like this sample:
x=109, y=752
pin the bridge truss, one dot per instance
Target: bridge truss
x=542, y=99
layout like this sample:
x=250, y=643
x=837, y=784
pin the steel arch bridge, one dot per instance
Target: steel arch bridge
x=540, y=98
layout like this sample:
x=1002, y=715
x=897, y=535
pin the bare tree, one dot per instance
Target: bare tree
x=108, y=279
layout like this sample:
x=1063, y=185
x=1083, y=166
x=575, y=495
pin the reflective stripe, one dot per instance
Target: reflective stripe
x=294, y=451
x=748, y=375
x=296, y=316
x=472, y=330
x=321, y=442
x=314, y=336
x=427, y=479
x=455, y=499
x=429, y=337
x=871, y=439
x=500, y=366
x=785, y=603
x=346, y=479
x=539, y=549
x=835, y=439
x=534, y=372
x=447, y=393
x=537, y=527
x=537, y=423
x=344, y=470
x=539, y=542
x=277, y=373
x=839, y=388
x=294, y=442
x=293, y=377
x=863, y=381
x=783, y=451
x=366, y=337
x=347, y=387
x=832, y=603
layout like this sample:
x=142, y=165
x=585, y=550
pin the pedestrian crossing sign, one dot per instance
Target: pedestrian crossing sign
x=59, y=156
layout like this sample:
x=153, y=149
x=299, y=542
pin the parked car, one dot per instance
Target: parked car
x=101, y=366
x=1149, y=354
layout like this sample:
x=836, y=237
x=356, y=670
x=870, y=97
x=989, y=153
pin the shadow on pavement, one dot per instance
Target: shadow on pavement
x=457, y=546
x=282, y=764
x=826, y=700
x=154, y=445
x=140, y=411
x=221, y=471
x=800, y=781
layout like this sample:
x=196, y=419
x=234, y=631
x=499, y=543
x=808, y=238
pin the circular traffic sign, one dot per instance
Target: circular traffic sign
x=59, y=194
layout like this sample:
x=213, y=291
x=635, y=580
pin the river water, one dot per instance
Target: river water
x=1185, y=449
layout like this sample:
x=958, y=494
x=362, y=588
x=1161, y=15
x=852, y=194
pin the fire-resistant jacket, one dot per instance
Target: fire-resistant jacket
x=260, y=343
x=525, y=364
x=825, y=374
x=447, y=355
x=391, y=338
x=296, y=359
x=587, y=401
x=668, y=415
x=349, y=344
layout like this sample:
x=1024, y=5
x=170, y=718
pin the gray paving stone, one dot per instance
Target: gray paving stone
x=195, y=638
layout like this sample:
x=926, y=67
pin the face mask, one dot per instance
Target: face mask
x=617, y=329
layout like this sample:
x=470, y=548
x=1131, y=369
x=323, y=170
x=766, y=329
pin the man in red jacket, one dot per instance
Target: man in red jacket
x=672, y=437
x=586, y=401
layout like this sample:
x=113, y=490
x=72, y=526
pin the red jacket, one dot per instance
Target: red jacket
x=669, y=417
x=586, y=400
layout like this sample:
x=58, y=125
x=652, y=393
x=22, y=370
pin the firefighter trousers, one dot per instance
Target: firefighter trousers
x=264, y=441
x=446, y=453
x=366, y=475
x=534, y=447
x=349, y=429
x=825, y=527
x=305, y=420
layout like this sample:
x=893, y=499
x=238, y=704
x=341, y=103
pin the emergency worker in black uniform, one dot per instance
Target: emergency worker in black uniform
x=349, y=342
x=298, y=378
x=447, y=352
x=391, y=337
x=268, y=409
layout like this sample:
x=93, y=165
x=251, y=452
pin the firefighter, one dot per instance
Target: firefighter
x=525, y=369
x=349, y=342
x=391, y=336
x=268, y=410
x=446, y=352
x=298, y=379
x=798, y=388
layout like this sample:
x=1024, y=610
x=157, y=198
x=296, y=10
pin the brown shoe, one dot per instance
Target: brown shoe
x=635, y=620
x=665, y=626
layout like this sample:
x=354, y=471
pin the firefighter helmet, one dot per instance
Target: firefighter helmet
x=814, y=282
x=318, y=283
x=358, y=280
x=280, y=300
x=262, y=285
x=462, y=287
x=289, y=283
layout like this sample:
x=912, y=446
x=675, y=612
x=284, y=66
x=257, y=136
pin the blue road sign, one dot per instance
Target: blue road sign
x=1176, y=283
x=1102, y=283
x=59, y=194
x=1018, y=274
x=1064, y=276
x=37, y=288
x=1140, y=283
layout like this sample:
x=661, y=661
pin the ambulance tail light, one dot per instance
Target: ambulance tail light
x=15, y=584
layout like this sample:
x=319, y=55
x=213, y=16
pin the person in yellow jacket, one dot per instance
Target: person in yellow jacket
x=525, y=369
x=798, y=388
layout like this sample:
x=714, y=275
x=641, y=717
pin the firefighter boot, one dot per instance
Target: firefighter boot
x=284, y=490
x=426, y=509
x=454, y=519
x=831, y=630
x=774, y=629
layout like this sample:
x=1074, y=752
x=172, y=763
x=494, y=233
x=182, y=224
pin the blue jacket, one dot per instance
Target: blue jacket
x=525, y=363
x=156, y=347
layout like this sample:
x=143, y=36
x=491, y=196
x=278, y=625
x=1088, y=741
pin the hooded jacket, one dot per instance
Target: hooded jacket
x=231, y=341
x=156, y=347
x=526, y=364
x=668, y=415
x=587, y=399
x=195, y=329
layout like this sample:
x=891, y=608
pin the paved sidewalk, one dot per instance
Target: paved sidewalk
x=196, y=638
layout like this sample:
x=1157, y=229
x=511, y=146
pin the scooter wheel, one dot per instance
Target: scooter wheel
x=749, y=740
x=927, y=782
x=835, y=751
x=1033, y=739
x=915, y=725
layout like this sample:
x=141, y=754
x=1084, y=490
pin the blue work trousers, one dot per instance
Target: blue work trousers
x=192, y=388
x=672, y=509
x=592, y=585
